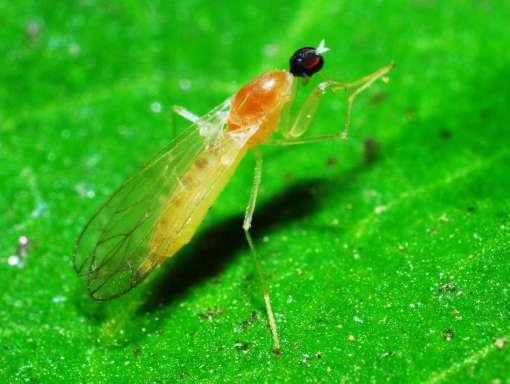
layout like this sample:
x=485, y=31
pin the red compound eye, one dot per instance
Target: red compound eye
x=305, y=62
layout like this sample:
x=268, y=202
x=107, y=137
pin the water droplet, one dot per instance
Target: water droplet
x=156, y=107
x=74, y=49
x=40, y=209
x=85, y=191
x=184, y=84
x=271, y=50
x=58, y=299
x=14, y=260
x=23, y=240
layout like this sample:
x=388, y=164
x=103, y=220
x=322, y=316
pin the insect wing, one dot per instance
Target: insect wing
x=115, y=241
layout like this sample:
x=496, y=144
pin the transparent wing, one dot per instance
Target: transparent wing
x=114, y=243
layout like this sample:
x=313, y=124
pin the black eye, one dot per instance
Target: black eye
x=305, y=62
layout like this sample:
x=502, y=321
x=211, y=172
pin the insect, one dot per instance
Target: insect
x=157, y=210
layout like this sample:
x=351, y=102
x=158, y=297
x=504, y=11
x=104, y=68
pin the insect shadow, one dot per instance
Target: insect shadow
x=219, y=244
x=215, y=247
x=212, y=249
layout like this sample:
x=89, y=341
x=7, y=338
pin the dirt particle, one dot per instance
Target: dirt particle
x=210, y=314
x=500, y=343
x=331, y=161
x=32, y=31
x=378, y=98
x=370, y=149
x=447, y=287
x=184, y=375
x=137, y=351
x=448, y=334
x=409, y=113
x=432, y=231
x=444, y=218
x=242, y=346
x=249, y=321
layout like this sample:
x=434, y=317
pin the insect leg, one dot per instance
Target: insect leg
x=311, y=104
x=188, y=115
x=246, y=227
x=368, y=81
x=306, y=140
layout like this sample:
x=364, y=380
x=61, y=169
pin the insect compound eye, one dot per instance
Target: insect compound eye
x=305, y=62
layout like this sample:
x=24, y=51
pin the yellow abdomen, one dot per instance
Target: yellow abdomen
x=186, y=208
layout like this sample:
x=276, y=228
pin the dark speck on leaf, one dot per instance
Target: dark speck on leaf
x=378, y=98
x=288, y=177
x=249, y=321
x=447, y=287
x=448, y=334
x=209, y=314
x=471, y=209
x=484, y=114
x=242, y=346
x=331, y=161
x=445, y=134
x=409, y=113
x=371, y=149
x=184, y=375
x=137, y=351
x=32, y=31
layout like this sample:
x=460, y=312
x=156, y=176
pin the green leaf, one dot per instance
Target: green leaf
x=385, y=268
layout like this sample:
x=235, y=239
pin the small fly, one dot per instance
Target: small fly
x=158, y=209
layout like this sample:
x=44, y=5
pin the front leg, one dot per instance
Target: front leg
x=311, y=104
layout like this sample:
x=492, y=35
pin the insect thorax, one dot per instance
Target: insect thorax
x=259, y=103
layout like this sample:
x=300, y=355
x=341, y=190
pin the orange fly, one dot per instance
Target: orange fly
x=157, y=211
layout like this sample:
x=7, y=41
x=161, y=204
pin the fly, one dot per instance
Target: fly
x=157, y=210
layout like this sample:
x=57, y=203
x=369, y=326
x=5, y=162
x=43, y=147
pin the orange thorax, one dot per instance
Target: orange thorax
x=260, y=103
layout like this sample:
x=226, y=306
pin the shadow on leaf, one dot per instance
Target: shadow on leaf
x=216, y=246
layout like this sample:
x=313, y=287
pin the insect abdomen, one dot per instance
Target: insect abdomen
x=186, y=208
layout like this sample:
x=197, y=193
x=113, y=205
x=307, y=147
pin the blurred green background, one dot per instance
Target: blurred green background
x=386, y=270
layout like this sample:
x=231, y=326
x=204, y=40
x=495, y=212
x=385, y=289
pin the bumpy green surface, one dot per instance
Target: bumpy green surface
x=390, y=270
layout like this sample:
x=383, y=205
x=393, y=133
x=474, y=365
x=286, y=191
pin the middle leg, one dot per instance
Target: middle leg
x=250, y=208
